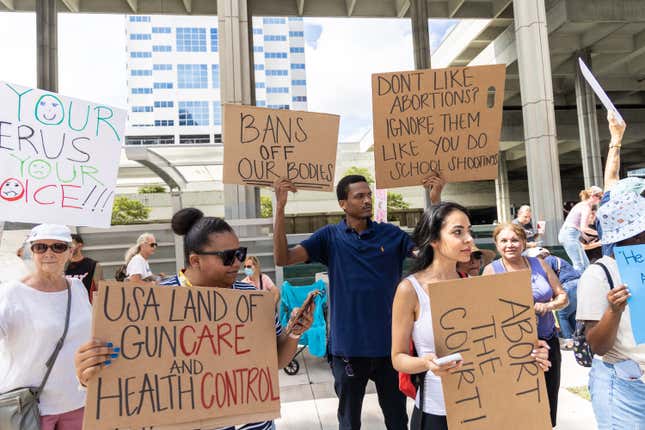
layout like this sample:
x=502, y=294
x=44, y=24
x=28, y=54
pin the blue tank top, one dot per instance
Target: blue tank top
x=542, y=292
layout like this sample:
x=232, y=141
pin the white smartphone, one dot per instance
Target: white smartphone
x=448, y=358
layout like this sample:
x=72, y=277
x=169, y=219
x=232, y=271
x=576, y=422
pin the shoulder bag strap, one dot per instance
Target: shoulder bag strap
x=609, y=279
x=59, y=345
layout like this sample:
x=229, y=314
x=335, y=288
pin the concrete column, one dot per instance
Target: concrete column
x=237, y=82
x=540, y=140
x=502, y=193
x=420, y=45
x=588, y=125
x=420, y=33
x=177, y=204
x=47, y=41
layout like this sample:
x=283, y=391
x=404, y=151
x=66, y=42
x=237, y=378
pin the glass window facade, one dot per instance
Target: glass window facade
x=139, y=54
x=162, y=85
x=260, y=85
x=297, y=50
x=215, y=75
x=275, y=72
x=277, y=90
x=161, y=30
x=257, y=31
x=140, y=72
x=191, y=39
x=193, y=113
x=217, y=113
x=139, y=18
x=162, y=67
x=274, y=38
x=214, y=40
x=297, y=82
x=141, y=108
x=273, y=20
x=192, y=76
x=139, y=36
x=164, y=123
x=278, y=106
x=161, y=48
x=299, y=98
x=275, y=55
x=297, y=66
x=164, y=104
x=141, y=90
x=296, y=34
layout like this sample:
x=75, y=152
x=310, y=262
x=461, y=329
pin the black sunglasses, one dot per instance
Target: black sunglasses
x=41, y=248
x=477, y=255
x=153, y=245
x=228, y=257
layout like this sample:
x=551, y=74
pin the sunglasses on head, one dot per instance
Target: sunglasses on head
x=228, y=257
x=477, y=255
x=41, y=248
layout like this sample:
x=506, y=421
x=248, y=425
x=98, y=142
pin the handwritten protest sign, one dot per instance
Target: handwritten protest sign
x=380, y=205
x=262, y=145
x=490, y=320
x=59, y=157
x=438, y=120
x=190, y=358
x=631, y=265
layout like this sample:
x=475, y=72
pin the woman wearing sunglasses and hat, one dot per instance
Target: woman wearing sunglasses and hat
x=33, y=312
x=213, y=257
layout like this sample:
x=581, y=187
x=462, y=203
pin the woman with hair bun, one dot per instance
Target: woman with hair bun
x=575, y=224
x=213, y=257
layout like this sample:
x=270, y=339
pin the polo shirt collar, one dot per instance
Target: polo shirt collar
x=370, y=227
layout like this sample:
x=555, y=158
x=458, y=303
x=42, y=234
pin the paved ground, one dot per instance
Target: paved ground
x=309, y=402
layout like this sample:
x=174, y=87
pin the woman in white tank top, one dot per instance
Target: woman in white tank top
x=444, y=238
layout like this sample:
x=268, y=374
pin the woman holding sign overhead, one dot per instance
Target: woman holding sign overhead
x=444, y=239
x=616, y=380
x=213, y=257
x=548, y=295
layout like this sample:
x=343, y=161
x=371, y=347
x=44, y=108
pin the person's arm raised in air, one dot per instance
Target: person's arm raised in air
x=282, y=255
x=434, y=186
x=612, y=166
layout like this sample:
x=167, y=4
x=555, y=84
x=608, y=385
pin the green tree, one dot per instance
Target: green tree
x=152, y=189
x=266, y=207
x=395, y=201
x=363, y=171
x=128, y=211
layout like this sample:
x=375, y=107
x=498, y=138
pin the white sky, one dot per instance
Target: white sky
x=341, y=55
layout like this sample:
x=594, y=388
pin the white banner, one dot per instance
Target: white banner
x=59, y=157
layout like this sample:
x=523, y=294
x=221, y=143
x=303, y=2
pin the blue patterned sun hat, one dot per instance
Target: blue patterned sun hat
x=622, y=217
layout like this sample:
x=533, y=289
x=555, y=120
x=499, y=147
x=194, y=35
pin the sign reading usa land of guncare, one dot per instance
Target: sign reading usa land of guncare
x=262, y=145
x=437, y=120
x=59, y=157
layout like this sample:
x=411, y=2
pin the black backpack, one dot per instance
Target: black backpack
x=581, y=349
x=121, y=273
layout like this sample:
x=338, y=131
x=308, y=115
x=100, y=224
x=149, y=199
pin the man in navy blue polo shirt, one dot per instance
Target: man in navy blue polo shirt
x=364, y=260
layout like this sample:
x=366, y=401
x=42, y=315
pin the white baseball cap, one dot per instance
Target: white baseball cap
x=50, y=232
x=622, y=217
x=536, y=252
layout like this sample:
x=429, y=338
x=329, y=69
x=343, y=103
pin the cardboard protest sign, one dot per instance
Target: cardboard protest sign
x=380, y=205
x=490, y=320
x=437, y=120
x=631, y=265
x=262, y=145
x=59, y=157
x=190, y=358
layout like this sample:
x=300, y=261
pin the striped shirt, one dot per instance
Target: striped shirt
x=175, y=281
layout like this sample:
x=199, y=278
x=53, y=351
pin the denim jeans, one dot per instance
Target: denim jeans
x=569, y=238
x=618, y=404
x=567, y=316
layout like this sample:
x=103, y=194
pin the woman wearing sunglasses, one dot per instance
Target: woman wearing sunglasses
x=213, y=257
x=32, y=319
x=136, y=258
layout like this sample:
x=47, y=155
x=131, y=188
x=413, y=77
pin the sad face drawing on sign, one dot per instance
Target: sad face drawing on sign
x=12, y=190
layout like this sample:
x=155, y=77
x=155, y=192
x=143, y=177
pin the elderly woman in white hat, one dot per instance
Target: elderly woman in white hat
x=616, y=380
x=33, y=317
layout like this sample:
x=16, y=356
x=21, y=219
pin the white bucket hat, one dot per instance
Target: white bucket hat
x=50, y=232
x=622, y=217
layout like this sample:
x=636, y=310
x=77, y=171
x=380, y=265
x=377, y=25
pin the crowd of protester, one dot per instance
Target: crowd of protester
x=374, y=309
